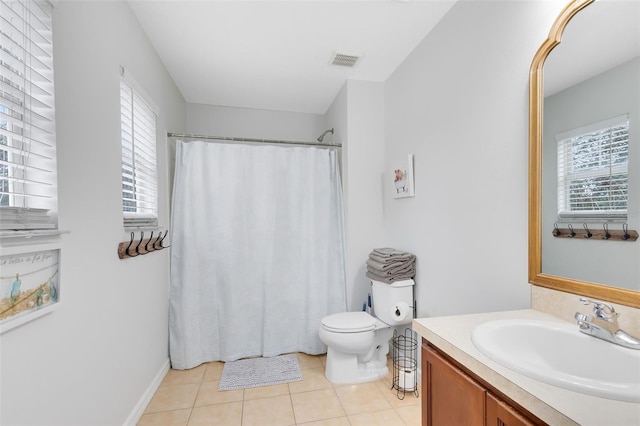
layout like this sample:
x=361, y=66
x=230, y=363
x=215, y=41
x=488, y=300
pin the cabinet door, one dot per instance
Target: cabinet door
x=499, y=413
x=451, y=398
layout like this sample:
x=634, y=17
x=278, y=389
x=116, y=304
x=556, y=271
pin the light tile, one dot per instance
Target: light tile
x=312, y=402
x=274, y=411
x=340, y=421
x=391, y=395
x=323, y=360
x=316, y=405
x=229, y=414
x=361, y=398
x=183, y=377
x=209, y=394
x=213, y=371
x=308, y=361
x=173, y=398
x=166, y=418
x=312, y=379
x=381, y=418
x=411, y=415
x=266, y=391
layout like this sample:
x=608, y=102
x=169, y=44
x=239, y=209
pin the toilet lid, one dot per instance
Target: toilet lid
x=349, y=322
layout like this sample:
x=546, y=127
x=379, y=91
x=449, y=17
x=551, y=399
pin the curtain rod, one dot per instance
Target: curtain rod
x=274, y=141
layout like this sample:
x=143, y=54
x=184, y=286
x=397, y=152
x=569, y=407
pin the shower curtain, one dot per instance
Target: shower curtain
x=257, y=251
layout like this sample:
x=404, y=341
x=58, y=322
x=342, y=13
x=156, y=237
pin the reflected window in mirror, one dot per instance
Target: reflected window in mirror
x=593, y=171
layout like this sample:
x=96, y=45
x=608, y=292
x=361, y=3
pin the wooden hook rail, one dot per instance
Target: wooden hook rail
x=602, y=233
x=133, y=247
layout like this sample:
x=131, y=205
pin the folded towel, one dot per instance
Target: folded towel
x=401, y=270
x=389, y=252
x=388, y=280
x=399, y=257
x=387, y=266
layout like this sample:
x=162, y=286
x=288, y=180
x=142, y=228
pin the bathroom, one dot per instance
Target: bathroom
x=459, y=103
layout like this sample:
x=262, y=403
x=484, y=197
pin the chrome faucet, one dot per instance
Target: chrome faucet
x=604, y=324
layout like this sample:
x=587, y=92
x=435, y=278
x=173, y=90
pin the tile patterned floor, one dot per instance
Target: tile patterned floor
x=191, y=397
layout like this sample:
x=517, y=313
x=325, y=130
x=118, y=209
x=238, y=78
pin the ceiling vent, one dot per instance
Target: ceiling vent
x=345, y=59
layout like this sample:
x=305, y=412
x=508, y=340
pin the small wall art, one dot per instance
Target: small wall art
x=29, y=283
x=402, y=179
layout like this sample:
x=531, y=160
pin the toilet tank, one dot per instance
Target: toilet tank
x=393, y=303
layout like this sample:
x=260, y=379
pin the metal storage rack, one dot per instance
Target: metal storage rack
x=405, y=363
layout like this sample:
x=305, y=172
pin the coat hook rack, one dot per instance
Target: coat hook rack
x=135, y=247
x=595, y=234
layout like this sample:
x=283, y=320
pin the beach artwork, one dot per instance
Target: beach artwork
x=29, y=284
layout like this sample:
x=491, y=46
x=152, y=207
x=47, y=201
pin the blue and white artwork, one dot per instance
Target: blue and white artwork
x=29, y=283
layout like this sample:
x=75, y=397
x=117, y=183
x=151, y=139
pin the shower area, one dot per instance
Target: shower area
x=257, y=250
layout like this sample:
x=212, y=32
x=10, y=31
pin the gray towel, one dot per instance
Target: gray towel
x=391, y=255
x=388, y=266
x=400, y=270
x=389, y=252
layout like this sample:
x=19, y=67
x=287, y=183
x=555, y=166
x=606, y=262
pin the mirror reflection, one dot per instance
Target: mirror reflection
x=591, y=145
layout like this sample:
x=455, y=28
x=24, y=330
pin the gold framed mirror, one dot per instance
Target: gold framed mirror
x=602, y=291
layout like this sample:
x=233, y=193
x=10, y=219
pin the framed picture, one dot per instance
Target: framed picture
x=402, y=178
x=29, y=283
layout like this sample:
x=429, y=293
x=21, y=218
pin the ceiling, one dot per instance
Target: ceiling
x=276, y=55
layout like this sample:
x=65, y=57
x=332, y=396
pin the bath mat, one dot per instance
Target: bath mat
x=254, y=372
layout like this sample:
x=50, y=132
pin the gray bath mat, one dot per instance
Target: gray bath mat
x=254, y=372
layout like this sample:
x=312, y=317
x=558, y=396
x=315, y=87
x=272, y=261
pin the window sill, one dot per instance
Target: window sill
x=32, y=233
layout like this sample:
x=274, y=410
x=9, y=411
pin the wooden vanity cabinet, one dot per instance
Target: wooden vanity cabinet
x=452, y=397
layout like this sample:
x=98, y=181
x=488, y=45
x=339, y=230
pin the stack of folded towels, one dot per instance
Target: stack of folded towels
x=388, y=265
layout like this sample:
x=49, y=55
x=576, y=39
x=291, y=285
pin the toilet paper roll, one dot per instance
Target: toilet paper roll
x=407, y=380
x=401, y=312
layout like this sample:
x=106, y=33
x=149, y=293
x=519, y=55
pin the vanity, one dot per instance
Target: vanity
x=461, y=376
x=463, y=381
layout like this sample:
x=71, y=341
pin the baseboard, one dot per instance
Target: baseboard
x=138, y=410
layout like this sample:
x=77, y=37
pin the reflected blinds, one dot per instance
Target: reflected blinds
x=28, y=179
x=593, y=170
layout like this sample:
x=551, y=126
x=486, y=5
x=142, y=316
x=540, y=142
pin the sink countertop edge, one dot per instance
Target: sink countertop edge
x=552, y=404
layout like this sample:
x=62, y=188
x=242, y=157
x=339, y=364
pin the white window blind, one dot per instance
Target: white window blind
x=139, y=169
x=28, y=178
x=593, y=170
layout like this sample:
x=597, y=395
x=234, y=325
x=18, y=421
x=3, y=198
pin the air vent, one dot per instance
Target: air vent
x=345, y=59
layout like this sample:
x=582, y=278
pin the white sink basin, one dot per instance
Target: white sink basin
x=558, y=354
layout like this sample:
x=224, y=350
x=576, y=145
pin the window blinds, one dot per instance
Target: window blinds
x=139, y=171
x=28, y=188
x=593, y=170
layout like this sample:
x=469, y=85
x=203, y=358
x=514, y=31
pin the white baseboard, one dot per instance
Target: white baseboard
x=138, y=410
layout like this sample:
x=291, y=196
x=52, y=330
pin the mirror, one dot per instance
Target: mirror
x=607, y=270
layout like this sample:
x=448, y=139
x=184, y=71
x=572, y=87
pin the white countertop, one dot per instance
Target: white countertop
x=554, y=405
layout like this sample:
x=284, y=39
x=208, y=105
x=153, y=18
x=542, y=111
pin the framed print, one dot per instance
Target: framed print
x=29, y=283
x=402, y=178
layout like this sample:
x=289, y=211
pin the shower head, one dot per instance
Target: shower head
x=321, y=137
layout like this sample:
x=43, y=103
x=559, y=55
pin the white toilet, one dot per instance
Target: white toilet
x=358, y=343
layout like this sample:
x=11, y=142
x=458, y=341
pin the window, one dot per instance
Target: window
x=139, y=171
x=28, y=179
x=592, y=170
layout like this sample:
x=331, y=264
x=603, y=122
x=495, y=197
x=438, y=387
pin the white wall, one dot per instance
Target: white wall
x=357, y=114
x=253, y=123
x=90, y=361
x=459, y=102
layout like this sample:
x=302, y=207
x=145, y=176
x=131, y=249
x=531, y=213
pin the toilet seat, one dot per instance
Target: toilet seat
x=349, y=322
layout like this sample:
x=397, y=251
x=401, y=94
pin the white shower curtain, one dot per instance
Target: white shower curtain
x=257, y=256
